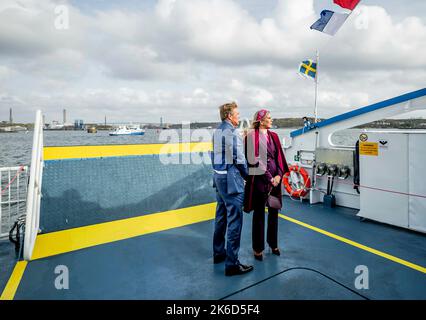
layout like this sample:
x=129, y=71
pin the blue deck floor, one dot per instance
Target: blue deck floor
x=177, y=264
x=7, y=261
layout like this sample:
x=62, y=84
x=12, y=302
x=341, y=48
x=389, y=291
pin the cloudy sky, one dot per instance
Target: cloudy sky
x=180, y=59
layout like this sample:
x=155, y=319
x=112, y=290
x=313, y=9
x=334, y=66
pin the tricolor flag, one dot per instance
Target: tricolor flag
x=347, y=4
x=308, y=68
x=330, y=22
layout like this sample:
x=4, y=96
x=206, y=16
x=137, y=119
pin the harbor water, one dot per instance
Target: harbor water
x=15, y=148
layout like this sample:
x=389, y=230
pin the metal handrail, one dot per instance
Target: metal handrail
x=34, y=189
x=12, y=191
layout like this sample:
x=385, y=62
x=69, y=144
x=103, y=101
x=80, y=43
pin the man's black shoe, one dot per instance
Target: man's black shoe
x=219, y=259
x=238, y=269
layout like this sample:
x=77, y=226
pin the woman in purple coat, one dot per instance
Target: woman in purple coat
x=267, y=165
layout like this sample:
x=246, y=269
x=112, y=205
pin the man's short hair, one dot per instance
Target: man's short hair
x=227, y=109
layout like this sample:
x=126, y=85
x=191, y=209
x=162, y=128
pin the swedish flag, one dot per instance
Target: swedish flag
x=308, y=68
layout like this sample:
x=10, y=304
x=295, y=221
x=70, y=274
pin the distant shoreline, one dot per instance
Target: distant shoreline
x=281, y=123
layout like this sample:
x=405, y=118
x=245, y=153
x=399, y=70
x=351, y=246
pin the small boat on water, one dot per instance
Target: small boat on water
x=131, y=130
x=13, y=129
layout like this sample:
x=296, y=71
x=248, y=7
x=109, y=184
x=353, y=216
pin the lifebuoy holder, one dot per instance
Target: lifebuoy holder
x=300, y=181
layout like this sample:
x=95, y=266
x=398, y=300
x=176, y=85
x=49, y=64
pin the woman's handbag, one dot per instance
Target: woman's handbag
x=273, y=201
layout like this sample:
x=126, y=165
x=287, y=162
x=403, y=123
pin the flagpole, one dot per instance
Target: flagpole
x=316, y=90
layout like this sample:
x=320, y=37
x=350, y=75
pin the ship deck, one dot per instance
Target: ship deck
x=119, y=222
x=321, y=247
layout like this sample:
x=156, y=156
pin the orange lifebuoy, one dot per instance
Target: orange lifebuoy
x=300, y=192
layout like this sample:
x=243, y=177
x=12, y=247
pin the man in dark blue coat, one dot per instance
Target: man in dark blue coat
x=230, y=170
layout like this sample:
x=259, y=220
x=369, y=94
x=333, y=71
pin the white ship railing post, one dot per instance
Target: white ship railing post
x=34, y=189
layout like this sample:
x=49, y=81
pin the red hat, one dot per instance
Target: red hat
x=261, y=113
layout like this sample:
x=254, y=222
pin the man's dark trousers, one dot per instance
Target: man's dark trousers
x=228, y=214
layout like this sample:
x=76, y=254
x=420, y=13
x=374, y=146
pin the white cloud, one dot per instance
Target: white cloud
x=379, y=43
x=185, y=55
x=6, y=73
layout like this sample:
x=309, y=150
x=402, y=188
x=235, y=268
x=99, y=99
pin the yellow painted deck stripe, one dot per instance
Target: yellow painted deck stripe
x=358, y=245
x=14, y=281
x=74, y=239
x=54, y=243
x=83, y=152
